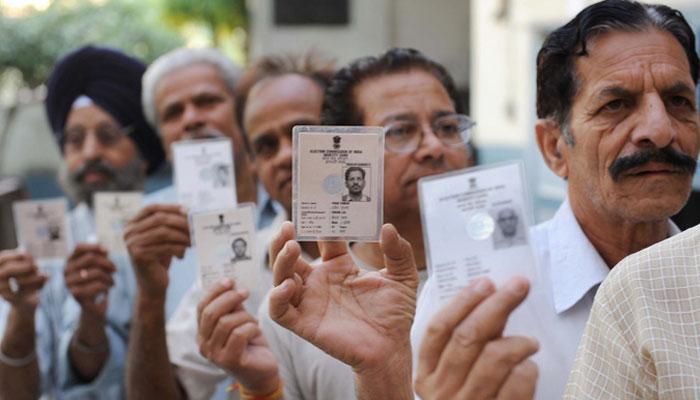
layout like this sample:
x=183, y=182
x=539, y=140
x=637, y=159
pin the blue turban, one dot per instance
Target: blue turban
x=112, y=80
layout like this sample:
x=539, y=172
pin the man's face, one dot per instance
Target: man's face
x=191, y=102
x=239, y=248
x=635, y=95
x=98, y=155
x=355, y=183
x=508, y=222
x=414, y=95
x=274, y=106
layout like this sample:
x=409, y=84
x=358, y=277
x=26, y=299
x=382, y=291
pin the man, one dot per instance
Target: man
x=615, y=98
x=274, y=94
x=94, y=110
x=642, y=339
x=239, y=247
x=348, y=307
x=355, y=183
x=508, y=233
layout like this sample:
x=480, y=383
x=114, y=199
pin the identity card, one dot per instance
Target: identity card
x=225, y=241
x=204, y=175
x=112, y=211
x=475, y=223
x=338, y=182
x=41, y=227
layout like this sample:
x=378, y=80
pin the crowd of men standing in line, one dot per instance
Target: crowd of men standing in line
x=618, y=120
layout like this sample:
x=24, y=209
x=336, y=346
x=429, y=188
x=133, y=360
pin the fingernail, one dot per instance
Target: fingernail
x=227, y=283
x=482, y=286
x=517, y=287
x=184, y=210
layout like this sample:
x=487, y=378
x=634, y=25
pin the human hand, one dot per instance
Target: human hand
x=20, y=279
x=88, y=276
x=153, y=237
x=230, y=337
x=464, y=355
x=361, y=318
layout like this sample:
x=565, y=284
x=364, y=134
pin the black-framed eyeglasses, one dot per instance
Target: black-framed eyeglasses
x=405, y=135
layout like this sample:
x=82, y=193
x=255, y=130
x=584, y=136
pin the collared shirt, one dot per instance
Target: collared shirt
x=200, y=378
x=307, y=371
x=643, y=337
x=560, y=299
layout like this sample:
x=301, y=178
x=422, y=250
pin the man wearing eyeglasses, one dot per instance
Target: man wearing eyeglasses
x=81, y=316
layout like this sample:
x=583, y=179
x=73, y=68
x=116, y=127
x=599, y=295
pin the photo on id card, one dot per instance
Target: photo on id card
x=338, y=182
x=113, y=210
x=41, y=227
x=225, y=246
x=476, y=224
x=204, y=175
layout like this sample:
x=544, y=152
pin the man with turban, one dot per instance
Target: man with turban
x=75, y=344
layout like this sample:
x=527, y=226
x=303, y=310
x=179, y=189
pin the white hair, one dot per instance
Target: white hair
x=175, y=60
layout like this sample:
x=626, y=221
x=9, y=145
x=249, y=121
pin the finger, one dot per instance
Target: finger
x=213, y=292
x=332, y=249
x=494, y=364
x=85, y=277
x=16, y=268
x=484, y=324
x=228, y=326
x=25, y=283
x=521, y=383
x=173, y=220
x=11, y=255
x=89, y=292
x=398, y=255
x=83, y=248
x=91, y=261
x=163, y=251
x=285, y=234
x=241, y=335
x=281, y=308
x=218, y=308
x=154, y=208
x=286, y=259
x=443, y=324
x=158, y=235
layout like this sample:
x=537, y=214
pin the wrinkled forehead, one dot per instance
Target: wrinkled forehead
x=645, y=60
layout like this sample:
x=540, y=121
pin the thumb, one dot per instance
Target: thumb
x=281, y=309
x=398, y=255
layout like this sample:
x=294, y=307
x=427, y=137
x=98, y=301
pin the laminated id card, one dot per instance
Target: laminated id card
x=41, y=227
x=338, y=183
x=204, y=175
x=226, y=248
x=112, y=212
x=476, y=223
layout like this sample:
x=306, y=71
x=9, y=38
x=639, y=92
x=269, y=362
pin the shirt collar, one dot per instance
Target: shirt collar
x=576, y=265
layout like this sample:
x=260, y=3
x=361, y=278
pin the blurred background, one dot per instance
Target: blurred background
x=489, y=46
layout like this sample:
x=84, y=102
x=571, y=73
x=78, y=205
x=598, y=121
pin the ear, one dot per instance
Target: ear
x=553, y=146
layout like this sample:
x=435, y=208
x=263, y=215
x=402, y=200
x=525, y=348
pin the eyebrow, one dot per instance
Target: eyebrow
x=412, y=116
x=614, y=91
x=679, y=88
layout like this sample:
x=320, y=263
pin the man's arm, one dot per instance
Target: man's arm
x=153, y=237
x=19, y=369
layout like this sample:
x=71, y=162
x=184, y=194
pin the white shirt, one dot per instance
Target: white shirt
x=200, y=378
x=560, y=300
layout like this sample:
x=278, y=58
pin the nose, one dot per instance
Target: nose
x=92, y=148
x=655, y=127
x=430, y=146
x=192, y=120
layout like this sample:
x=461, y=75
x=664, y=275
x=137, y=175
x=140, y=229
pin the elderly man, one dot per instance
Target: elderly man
x=357, y=305
x=616, y=88
x=274, y=94
x=93, y=106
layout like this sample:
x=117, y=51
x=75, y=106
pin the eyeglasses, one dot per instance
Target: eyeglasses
x=405, y=136
x=108, y=135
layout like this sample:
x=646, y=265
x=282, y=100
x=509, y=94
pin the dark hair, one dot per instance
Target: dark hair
x=339, y=106
x=349, y=170
x=237, y=240
x=312, y=65
x=556, y=77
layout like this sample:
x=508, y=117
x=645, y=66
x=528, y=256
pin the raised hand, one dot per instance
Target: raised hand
x=230, y=337
x=20, y=279
x=153, y=237
x=362, y=318
x=88, y=276
x=464, y=355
